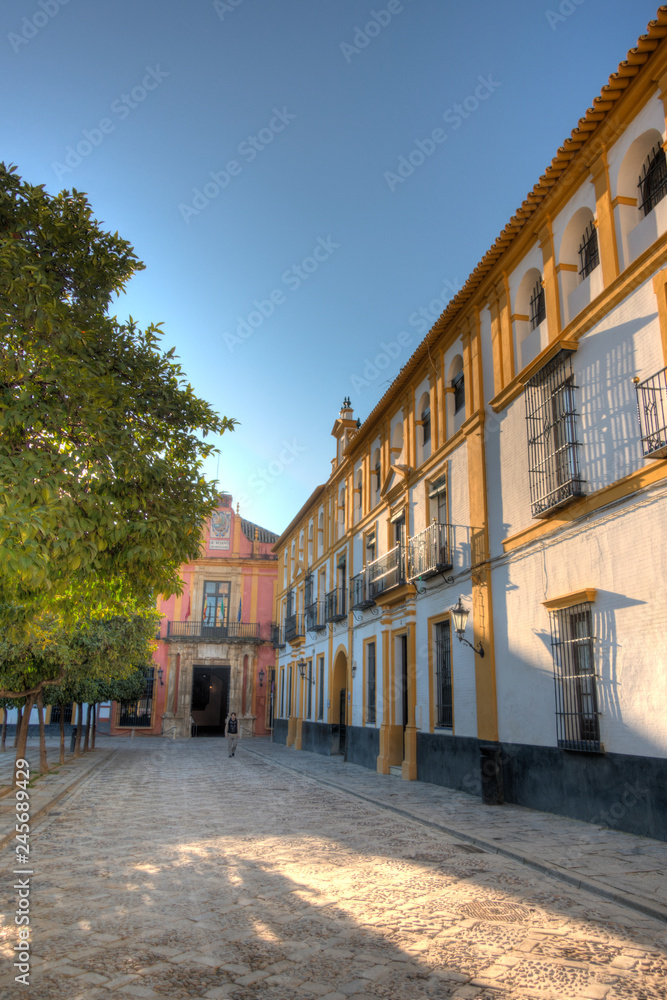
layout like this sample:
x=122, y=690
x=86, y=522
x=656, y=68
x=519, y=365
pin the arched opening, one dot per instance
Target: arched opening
x=423, y=428
x=529, y=323
x=456, y=399
x=377, y=476
x=341, y=512
x=358, y=496
x=642, y=181
x=580, y=274
x=339, y=696
x=397, y=444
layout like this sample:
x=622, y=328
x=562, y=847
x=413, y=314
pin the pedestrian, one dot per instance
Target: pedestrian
x=232, y=733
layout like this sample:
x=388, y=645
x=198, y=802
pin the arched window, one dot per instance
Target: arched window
x=641, y=208
x=652, y=180
x=456, y=398
x=358, y=496
x=538, y=310
x=580, y=281
x=377, y=475
x=530, y=335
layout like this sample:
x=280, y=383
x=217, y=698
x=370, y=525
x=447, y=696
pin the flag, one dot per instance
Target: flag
x=187, y=613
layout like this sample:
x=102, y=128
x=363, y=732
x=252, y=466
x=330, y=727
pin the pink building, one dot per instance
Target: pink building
x=215, y=653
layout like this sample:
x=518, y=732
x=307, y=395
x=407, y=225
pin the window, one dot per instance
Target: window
x=308, y=591
x=289, y=692
x=572, y=647
x=66, y=713
x=139, y=713
x=320, y=687
x=443, y=675
x=426, y=426
x=370, y=683
x=215, y=610
x=537, y=306
x=552, y=445
x=458, y=385
x=653, y=180
x=289, y=604
x=589, y=254
x=309, y=690
x=370, y=547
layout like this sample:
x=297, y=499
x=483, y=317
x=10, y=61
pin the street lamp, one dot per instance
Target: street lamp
x=460, y=616
x=159, y=674
x=261, y=678
x=302, y=664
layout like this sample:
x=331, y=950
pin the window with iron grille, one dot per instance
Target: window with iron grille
x=553, y=449
x=538, y=309
x=289, y=692
x=308, y=591
x=289, y=604
x=66, y=713
x=653, y=180
x=426, y=426
x=282, y=693
x=573, y=649
x=370, y=684
x=138, y=714
x=320, y=687
x=443, y=676
x=589, y=253
x=458, y=385
x=309, y=690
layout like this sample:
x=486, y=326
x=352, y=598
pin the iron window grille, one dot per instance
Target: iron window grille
x=308, y=590
x=443, y=676
x=370, y=684
x=553, y=449
x=386, y=572
x=289, y=604
x=652, y=180
x=66, y=713
x=309, y=690
x=359, y=597
x=652, y=411
x=334, y=605
x=138, y=714
x=573, y=650
x=278, y=637
x=378, y=477
x=458, y=385
x=315, y=617
x=294, y=627
x=589, y=252
x=320, y=687
x=538, y=309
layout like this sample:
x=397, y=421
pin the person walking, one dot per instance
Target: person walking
x=232, y=733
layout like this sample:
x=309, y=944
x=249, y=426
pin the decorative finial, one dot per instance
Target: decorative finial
x=358, y=422
x=346, y=403
x=237, y=507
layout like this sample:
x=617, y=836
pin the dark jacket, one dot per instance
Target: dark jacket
x=232, y=727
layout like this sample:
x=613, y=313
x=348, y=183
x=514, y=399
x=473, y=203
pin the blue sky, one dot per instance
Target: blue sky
x=304, y=179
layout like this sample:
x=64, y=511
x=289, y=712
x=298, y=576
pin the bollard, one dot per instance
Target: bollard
x=72, y=742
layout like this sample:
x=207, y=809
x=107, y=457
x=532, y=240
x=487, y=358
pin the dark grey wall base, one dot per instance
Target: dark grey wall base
x=320, y=737
x=619, y=791
x=51, y=731
x=280, y=731
x=363, y=746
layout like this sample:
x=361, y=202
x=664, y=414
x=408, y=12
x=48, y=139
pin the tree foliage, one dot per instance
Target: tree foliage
x=101, y=438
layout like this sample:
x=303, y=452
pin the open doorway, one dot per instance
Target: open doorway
x=339, y=703
x=210, y=700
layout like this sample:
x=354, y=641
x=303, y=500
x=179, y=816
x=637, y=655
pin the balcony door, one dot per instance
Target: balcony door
x=215, y=610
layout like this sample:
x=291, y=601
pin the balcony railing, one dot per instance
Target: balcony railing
x=430, y=551
x=278, y=637
x=234, y=631
x=334, y=605
x=359, y=596
x=652, y=409
x=294, y=627
x=386, y=572
x=315, y=617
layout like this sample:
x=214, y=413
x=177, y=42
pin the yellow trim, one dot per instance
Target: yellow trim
x=569, y=600
x=622, y=488
x=622, y=200
x=565, y=267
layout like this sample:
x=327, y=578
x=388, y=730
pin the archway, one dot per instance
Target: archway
x=339, y=695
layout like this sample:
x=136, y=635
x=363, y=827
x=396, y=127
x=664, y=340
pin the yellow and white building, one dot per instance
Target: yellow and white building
x=516, y=463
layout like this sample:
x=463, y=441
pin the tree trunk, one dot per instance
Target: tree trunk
x=19, y=716
x=62, y=734
x=43, y=762
x=77, y=745
x=87, y=739
x=23, y=734
x=92, y=735
x=3, y=738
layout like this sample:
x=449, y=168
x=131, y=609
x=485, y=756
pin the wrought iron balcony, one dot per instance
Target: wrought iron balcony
x=430, y=551
x=278, y=637
x=294, y=627
x=334, y=605
x=652, y=410
x=386, y=572
x=233, y=631
x=359, y=597
x=315, y=617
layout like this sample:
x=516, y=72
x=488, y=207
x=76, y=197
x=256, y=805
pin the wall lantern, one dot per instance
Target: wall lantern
x=261, y=678
x=302, y=664
x=159, y=674
x=460, y=616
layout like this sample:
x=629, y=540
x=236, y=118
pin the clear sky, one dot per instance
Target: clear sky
x=250, y=150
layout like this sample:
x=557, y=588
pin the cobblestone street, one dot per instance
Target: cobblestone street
x=174, y=871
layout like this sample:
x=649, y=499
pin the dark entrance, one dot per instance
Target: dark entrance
x=342, y=721
x=210, y=700
x=404, y=686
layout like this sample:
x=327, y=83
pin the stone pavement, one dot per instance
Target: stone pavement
x=617, y=865
x=174, y=871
